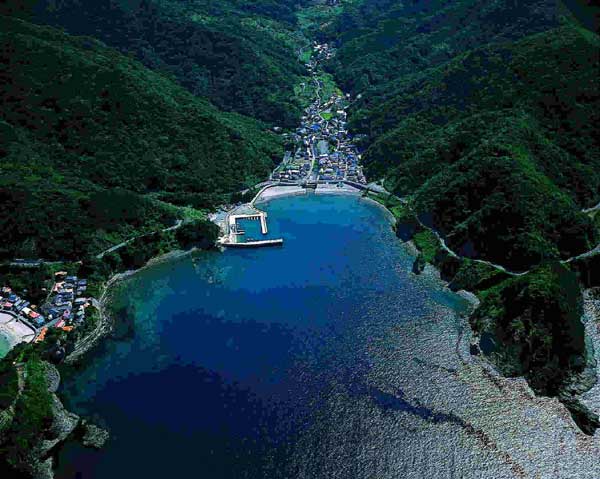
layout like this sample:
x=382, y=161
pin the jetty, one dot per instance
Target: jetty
x=256, y=244
x=233, y=235
x=261, y=216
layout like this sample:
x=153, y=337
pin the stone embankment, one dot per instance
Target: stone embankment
x=38, y=462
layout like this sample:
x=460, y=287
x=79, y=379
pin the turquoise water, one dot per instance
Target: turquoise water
x=4, y=346
x=253, y=231
x=227, y=364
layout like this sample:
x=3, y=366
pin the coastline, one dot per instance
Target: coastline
x=584, y=401
x=580, y=398
x=264, y=196
x=13, y=332
x=278, y=191
x=389, y=214
x=274, y=192
x=105, y=324
x=591, y=319
x=479, y=364
x=270, y=193
x=65, y=425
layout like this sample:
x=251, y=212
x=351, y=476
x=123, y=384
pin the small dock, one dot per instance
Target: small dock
x=255, y=244
x=263, y=223
x=233, y=235
x=260, y=215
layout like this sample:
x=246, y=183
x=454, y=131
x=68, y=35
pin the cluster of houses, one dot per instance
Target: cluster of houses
x=67, y=302
x=65, y=307
x=339, y=167
x=324, y=148
x=13, y=303
x=323, y=51
x=294, y=170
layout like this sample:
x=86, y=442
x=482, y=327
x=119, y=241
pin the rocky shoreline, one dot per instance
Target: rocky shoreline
x=39, y=461
x=66, y=425
x=590, y=398
x=581, y=396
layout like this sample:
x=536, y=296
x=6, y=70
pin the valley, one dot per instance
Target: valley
x=137, y=138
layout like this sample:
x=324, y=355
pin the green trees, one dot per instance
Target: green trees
x=228, y=52
x=384, y=40
x=199, y=234
x=90, y=132
x=535, y=325
x=498, y=147
x=33, y=408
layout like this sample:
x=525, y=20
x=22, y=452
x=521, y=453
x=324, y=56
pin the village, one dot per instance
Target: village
x=65, y=308
x=324, y=150
x=324, y=154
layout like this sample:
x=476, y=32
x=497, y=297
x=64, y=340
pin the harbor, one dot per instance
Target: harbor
x=301, y=346
x=325, y=160
x=235, y=236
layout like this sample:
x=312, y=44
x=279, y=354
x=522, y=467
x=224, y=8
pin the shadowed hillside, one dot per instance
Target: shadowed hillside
x=229, y=52
x=484, y=116
x=500, y=132
x=79, y=120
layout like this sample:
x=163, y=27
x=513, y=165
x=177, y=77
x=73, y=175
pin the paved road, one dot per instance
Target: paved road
x=588, y=254
x=177, y=225
x=377, y=188
x=34, y=263
x=592, y=209
x=499, y=267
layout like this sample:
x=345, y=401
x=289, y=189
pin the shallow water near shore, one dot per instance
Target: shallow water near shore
x=4, y=345
x=324, y=358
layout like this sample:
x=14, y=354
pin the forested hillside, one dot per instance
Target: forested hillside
x=383, y=39
x=509, y=129
x=470, y=110
x=239, y=55
x=92, y=141
x=484, y=116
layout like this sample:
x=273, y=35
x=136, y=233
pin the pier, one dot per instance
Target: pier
x=233, y=234
x=260, y=216
x=256, y=244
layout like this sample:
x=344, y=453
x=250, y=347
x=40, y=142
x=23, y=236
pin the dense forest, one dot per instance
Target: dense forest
x=484, y=116
x=386, y=40
x=239, y=55
x=527, y=108
x=93, y=144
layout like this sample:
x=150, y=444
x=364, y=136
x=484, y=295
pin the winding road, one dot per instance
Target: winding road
x=594, y=251
x=593, y=209
x=116, y=247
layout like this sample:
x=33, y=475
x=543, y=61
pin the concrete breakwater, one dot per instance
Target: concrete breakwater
x=232, y=235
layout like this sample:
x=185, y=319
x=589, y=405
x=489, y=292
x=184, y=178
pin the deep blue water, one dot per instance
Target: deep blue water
x=222, y=360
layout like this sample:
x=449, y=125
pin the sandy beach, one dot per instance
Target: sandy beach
x=334, y=190
x=280, y=191
x=13, y=331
